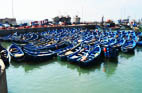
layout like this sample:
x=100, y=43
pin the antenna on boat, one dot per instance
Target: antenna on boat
x=82, y=13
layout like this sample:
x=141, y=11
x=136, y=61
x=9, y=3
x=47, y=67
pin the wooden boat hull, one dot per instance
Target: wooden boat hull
x=128, y=47
x=35, y=56
x=110, y=52
x=87, y=58
x=139, y=43
x=65, y=54
x=16, y=52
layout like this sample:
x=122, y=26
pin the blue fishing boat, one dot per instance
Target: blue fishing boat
x=5, y=38
x=74, y=49
x=129, y=46
x=38, y=55
x=119, y=43
x=16, y=52
x=139, y=34
x=60, y=50
x=92, y=57
x=32, y=37
x=86, y=56
x=74, y=56
x=53, y=45
x=106, y=42
x=139, y=42
x=109, y=52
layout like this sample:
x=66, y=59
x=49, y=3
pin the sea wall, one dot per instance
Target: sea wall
x=7, y=32
x=3, y=81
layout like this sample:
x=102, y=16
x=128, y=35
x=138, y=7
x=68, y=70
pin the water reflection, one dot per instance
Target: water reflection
x=139, y=49
x=107, y=66
x=5, y=44
x=81, y=70
x=29, y=66
x=127, y=55
x=88, y=70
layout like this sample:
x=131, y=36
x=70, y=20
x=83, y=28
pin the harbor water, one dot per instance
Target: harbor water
x=123, y=75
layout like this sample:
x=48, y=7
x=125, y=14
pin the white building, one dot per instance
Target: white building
x=76, y=20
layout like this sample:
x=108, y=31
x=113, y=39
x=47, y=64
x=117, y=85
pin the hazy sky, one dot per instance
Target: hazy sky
x=90, y=10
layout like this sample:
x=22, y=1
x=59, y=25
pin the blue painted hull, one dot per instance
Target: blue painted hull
x=38, y=56
x=86, y=57
x=139, y=43
x=16, y=52
x=128, y=46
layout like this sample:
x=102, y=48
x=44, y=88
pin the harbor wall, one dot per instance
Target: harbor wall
x=3, y=81
x=20, y=31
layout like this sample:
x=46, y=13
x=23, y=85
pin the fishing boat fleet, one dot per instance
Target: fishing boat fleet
x=75, y=45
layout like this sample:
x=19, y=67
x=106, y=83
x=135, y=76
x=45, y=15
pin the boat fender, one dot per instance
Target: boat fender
x=105, y=50
x=85, y=48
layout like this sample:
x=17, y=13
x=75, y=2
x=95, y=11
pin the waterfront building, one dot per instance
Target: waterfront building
x=8, y=21
x=124, y=21
x=56, y=20
x=66, y=20
x=76, y=20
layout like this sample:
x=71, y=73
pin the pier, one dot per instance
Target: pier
x=3, y=80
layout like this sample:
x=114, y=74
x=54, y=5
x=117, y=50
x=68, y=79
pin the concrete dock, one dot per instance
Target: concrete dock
x=3, y=81
x=20, y=31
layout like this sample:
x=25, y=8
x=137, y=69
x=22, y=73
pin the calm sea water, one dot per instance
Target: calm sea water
x=119, y=76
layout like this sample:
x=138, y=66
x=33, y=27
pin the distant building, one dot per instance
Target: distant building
x=109, y=23
x=76, y=20
x=102, y=21
x=8, y=21
x=44, y=22
x=64, y=20
x=124, y=21
x=68, y=20
x=56, y=20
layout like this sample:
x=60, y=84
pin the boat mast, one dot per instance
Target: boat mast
x=12, y=9
x=83, y=11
